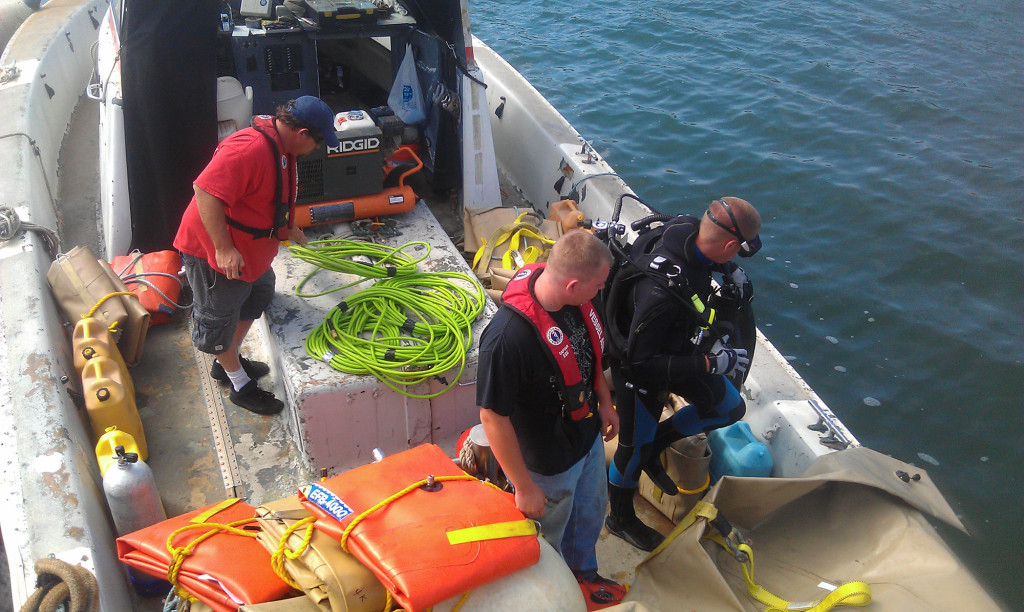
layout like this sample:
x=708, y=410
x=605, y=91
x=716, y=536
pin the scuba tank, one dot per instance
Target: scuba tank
x=131, y=493
x=134, y=504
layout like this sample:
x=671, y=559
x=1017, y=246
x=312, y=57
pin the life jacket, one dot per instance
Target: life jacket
x=285, y=202
x=518, y=296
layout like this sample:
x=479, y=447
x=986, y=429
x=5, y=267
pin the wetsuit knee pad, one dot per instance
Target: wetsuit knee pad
x=632, y=454
x=732, y=405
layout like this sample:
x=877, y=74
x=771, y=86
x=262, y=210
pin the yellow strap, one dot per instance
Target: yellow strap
x=482, y=258
x=494, y=531
x=212, y=510
x=479, y=252
x=855, y=593
x=517, y=239
x=462, y=600
x=532, y=254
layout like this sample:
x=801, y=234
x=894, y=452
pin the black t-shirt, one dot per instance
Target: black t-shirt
x=515, y=379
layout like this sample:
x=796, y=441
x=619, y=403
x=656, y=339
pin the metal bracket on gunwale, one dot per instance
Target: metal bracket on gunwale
x=836, y=439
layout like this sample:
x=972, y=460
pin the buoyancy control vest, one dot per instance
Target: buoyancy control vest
x=518, y=296
x=719, y=312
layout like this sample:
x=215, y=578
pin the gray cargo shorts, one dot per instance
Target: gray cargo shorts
x=220, y=303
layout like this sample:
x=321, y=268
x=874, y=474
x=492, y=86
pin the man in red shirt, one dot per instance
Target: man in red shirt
x=229, y=235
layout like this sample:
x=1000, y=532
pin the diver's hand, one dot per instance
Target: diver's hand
x=739, y=279
x=723, y=359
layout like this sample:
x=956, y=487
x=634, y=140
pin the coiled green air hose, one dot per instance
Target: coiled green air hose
x=336, y=254
x=406, y=328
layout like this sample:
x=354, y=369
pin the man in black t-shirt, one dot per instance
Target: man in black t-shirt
x=544, y=398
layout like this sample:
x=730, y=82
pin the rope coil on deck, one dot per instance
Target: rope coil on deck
x=62, y=586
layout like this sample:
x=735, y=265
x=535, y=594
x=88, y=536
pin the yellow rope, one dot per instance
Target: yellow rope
x=104, y=299
x=277, y=559
x=385, y=502
x=113, y=326
x=462, y=600
x=179, y=554
x=703, y=487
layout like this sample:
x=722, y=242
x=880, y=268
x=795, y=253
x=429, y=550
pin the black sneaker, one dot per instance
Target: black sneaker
x=254, y=399
x=253, y=369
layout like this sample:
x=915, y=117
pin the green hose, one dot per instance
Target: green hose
x=406, y=328
x=336, y=254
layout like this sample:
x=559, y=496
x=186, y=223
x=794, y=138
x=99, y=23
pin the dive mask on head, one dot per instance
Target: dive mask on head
x=747, y=247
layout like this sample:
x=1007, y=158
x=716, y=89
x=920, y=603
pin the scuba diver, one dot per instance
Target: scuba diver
x=666, y=335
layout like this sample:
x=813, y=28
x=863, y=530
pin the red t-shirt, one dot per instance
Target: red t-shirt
x=242, y=175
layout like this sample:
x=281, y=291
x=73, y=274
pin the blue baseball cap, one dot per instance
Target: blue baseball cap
x=316, y=113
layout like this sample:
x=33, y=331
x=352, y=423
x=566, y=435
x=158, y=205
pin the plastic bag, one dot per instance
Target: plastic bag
x=406, y=97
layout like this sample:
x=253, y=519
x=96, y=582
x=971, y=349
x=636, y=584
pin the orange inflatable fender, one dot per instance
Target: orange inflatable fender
x=144, y=275
x=425, y=541
x=233, y=566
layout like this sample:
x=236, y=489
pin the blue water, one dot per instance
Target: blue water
x=882, y=143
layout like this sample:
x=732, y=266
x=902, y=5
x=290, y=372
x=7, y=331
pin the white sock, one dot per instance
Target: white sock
x=238, y=379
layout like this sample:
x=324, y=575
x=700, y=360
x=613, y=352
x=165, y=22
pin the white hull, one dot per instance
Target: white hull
x=50, y=494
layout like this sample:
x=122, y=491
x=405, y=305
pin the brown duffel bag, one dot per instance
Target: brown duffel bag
x=331, y=578
x=80, y=282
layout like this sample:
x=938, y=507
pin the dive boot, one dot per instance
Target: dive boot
x=622, y=521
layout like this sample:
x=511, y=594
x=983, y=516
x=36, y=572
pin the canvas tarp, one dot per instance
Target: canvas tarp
x=849, y=518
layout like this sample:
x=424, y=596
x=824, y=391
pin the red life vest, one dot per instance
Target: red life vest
x=518, y=296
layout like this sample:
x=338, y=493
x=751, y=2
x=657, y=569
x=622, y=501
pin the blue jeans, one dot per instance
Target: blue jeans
x=575, y=510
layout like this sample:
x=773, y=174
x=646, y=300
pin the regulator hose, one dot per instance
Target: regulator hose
x=408, y=327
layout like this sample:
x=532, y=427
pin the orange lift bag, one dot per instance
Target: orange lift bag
x=154, y=278
x=428, y=530
x=218, y=569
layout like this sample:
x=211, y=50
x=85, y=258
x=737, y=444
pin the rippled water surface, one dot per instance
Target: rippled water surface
x=882, y=143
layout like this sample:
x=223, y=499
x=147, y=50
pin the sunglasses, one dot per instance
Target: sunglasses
x=747, y=247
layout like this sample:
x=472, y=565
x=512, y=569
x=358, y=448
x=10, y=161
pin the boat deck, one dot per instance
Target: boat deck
x=204, y=449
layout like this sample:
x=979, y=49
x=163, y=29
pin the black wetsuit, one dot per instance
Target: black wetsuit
x=661, y=357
